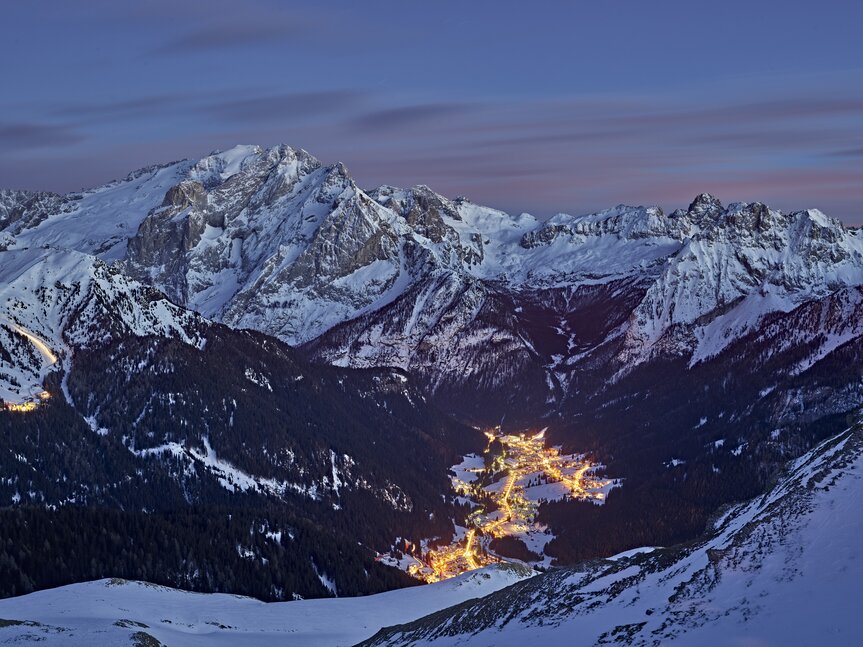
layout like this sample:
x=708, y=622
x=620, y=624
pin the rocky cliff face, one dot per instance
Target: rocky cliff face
x=271, y=240
x=21, y=209
x=734, y=266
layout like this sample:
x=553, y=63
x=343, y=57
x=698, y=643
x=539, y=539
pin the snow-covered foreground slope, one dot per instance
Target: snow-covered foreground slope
x=111, y=612
x=783, y=569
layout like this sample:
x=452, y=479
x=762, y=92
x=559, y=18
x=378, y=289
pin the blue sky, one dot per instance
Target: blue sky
x=541, y=106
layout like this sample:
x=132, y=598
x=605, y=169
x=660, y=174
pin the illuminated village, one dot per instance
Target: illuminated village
x=507, y=487
x=27, y=405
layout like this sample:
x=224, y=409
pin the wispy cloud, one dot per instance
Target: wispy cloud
x=404, y=116
x=125, y=108
x=850, y=153
x=221, y=36
x=26, y=136
x=224, y=25
x=285, y=106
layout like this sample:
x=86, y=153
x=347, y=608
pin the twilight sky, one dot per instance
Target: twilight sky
x=527, y=106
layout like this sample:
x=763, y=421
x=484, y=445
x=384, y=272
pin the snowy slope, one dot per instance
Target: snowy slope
x=531, y=305
x=55, y=301
x=109, y=612
x=99, y=221
x=783, y=569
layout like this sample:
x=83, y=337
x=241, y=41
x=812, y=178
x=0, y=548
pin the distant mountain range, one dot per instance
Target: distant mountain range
x=253, y=326
x=458, y=294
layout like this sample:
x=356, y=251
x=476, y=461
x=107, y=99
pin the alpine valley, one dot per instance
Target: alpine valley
x=246, y=374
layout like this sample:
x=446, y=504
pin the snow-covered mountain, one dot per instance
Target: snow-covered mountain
x=782, y=569
x=462, y=296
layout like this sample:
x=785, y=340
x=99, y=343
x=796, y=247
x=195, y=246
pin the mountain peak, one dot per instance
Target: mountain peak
x=705, y=202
